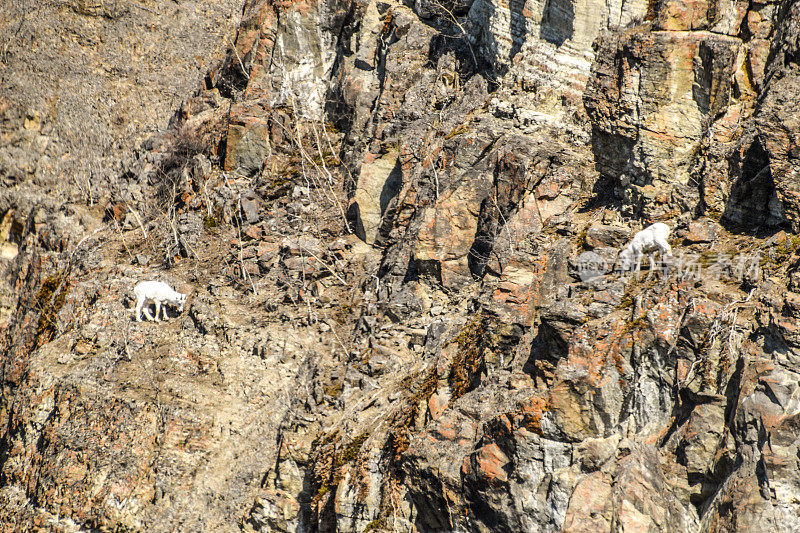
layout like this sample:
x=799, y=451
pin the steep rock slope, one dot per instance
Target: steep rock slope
x=377, y=210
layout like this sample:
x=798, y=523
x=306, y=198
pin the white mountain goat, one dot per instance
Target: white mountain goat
x=159, y=293
x=651, y=239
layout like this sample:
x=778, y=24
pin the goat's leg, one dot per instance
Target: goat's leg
x=637, y=259
x=146, y=311
x=665, y=248
x=139, y=304
x=649, y=270
x=662, y=264
x=164, y=315
x=158, y=309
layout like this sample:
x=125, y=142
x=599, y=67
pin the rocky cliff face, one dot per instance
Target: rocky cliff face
x=381, y=213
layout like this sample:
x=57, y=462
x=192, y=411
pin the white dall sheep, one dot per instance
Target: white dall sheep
x=159, y=293
x=651, y=239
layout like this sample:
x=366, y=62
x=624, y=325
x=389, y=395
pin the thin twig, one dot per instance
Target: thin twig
x=138, y=219
x=464, y=32
x=305, y=157
x=323, y=263
x=235, y=51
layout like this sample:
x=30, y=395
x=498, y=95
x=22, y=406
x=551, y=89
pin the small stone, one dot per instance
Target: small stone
x=547, y=191
x=250, y=210
x=418, y=337
x=300, y=192
x=267, y=250
x=624, y=448
x=590, y=265
x=33, y=120
x=604, y=235
x=702, y=230
x=367, y=323
x=247, y=253
x=438, y=402
x=338, y=244
x=301, y=246
x=793, y=303
x=490, y=461
x=255, y=232
x=83, y=347
x=129, y=222
x=306, y=265
x=592, y=453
